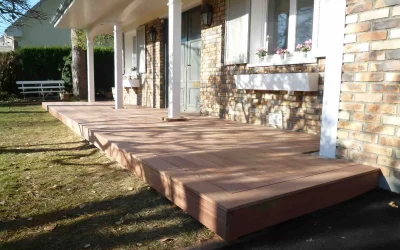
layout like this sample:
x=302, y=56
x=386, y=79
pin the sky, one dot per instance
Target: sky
x=4, y=25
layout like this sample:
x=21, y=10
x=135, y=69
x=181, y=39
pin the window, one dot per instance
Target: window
x=290, y=22
x=272, y=24
x=305, y=18
x=129, y=55
x=278, y=25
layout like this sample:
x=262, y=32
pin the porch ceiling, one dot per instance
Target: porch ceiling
x=100, y=15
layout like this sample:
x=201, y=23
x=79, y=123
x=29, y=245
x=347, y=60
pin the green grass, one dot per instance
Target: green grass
x=59, y=192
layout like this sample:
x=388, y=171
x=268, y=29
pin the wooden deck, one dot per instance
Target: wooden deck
x=234, y=178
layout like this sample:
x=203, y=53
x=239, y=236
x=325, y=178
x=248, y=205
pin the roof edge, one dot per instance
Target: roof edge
x=61, y=11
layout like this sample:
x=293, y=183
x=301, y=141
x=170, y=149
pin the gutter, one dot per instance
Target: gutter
x=61, y=10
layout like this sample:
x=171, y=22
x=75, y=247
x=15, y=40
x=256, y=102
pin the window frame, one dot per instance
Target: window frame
x=228, y=59
x=295, y=57
x=129, y=53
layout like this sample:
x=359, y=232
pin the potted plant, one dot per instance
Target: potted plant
x=67, y=94
x=305, y=48
x=261, y=53
x=108, y=94
x=283, y=53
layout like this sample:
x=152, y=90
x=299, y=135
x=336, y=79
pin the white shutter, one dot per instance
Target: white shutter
x=134, y=53
x=237, y=31
x=258, y=27
x=141, y=49
x=128, y=53
x=321, y=27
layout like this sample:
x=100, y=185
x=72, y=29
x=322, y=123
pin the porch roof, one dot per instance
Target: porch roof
x=100, y=15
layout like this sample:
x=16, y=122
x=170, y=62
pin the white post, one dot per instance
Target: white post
x=174, y=41
x=119, y=102
x=333, y=78
x=90, y=67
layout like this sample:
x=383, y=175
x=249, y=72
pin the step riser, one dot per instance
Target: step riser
x=251, y=219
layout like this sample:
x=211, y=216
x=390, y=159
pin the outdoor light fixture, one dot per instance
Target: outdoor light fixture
x=207, y=14
x=153, y=34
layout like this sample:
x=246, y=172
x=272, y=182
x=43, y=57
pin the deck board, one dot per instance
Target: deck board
x=234, y=178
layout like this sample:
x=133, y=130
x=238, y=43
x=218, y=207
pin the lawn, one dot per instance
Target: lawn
x=59, y=192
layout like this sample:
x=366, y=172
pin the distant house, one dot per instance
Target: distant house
x=6, y=43
x=36, y=32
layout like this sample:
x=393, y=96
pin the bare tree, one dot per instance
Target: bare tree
x=11, y=12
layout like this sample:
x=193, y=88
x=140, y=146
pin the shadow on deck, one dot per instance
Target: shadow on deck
x=234, y=178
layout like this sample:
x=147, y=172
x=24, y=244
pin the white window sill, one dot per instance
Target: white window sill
x=276, y=60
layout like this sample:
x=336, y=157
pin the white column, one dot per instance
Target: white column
x=90, y=67
x=333, y=78
x=174, y=41
x=118, y=66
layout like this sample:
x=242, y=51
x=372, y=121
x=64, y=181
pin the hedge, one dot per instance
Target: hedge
x=47, y=63
x=103, y=69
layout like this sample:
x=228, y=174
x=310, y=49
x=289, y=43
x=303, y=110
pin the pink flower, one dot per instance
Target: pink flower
x=299, y=46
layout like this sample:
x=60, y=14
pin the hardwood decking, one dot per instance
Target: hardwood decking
x=234, y=178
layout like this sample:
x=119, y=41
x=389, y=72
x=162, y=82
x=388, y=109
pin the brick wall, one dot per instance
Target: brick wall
x=151, y=94
x=219, y=96
x=369, y=126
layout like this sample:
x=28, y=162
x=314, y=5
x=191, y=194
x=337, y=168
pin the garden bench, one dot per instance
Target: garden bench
x=44, y=88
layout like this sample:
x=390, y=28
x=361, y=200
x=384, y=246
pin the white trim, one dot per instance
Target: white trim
x=333, y=78
x=276, y=60
x=141, y=49
x=174, y=62
x=307, y=82
x=258, y=23
x=118, y=66
x=292, y=25
x=90, y=67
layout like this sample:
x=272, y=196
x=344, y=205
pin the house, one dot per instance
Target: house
x=200, y=56
x=38, y=32
x=6, y=44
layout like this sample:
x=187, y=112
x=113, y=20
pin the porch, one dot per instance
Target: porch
x=234, y=178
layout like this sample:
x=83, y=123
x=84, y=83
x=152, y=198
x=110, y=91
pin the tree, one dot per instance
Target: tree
x=11, y=12
x=79, y=69
x=79, y=60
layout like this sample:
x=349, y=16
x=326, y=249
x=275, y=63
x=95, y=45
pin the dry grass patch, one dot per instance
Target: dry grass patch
x=59, y=192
